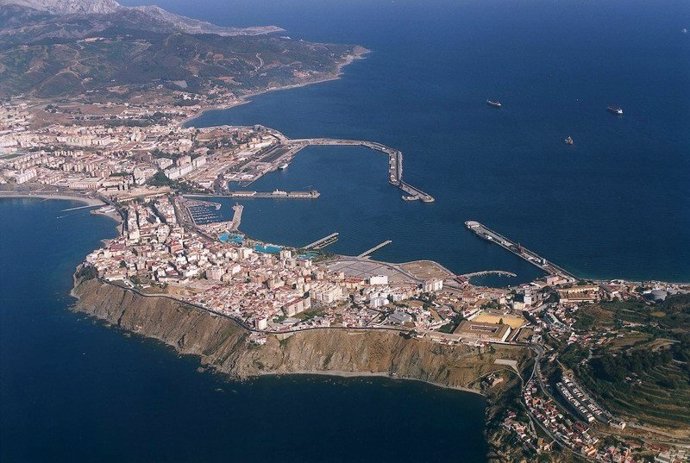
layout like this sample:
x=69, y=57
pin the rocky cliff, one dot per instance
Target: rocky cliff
x=224, y=345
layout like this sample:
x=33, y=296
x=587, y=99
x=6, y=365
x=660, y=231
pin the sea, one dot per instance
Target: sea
x=74, y=390
x=614, y=204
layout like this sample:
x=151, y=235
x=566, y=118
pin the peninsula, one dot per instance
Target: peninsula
x=95, y=109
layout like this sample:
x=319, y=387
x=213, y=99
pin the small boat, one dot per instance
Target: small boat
x=283, y=166
x=494, y=104
x=569, y=141
x=617, y=110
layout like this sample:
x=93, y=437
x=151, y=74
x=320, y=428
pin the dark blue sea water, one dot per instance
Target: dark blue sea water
x=616, y=204
x=72, y=390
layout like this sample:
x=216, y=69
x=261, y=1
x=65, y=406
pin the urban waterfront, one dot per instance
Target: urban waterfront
x=73, y=390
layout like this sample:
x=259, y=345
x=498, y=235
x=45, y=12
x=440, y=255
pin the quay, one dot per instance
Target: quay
x=323, y=242
x=395, y=162
x=375, y=248
x=530, y=256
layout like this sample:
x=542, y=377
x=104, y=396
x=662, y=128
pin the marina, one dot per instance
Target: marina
x=204, y=212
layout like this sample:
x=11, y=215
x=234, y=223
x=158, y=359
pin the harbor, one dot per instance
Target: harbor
x=395, y=162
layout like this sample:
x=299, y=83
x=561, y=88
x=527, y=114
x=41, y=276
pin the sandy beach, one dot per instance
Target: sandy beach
x=89, y=201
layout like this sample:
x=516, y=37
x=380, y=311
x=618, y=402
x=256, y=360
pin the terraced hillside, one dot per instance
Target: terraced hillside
x=639, y=367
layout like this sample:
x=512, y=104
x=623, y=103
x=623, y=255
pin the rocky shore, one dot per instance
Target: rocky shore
x=225, y=346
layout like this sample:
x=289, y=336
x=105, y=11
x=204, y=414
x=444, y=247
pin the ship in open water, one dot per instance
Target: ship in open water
x=617, y=110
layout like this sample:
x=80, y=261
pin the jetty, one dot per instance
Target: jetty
x=323, y=242
x=375, y=248
x=484, y=273
x=516, y=248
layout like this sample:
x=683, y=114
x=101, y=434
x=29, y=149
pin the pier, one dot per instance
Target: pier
x=375, y=248
x=395, y=162
x=323, y=242
x=530, y=256
x=79, y=208
x=236, y=217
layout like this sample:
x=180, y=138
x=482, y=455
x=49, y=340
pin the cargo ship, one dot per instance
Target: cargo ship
x=494, y=104
x=617, y=110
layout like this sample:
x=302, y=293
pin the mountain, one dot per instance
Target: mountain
x=67, y=6
x=151, y=13
x=71, y=48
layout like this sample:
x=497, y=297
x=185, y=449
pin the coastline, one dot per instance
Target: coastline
x=87, y=200
x=365, y=374
x=358, y=53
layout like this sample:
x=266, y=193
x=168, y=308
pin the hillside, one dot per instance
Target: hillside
x=46, y=53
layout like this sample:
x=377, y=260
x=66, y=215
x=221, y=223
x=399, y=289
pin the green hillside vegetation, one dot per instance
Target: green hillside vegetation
x=68, y=55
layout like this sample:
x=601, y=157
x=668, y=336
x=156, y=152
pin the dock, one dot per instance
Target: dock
x=395, y=162
x=517, y=249
x=323, y=242
x=375, y=248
